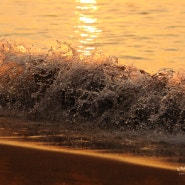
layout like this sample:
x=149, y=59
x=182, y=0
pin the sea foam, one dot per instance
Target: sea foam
x=59, y=84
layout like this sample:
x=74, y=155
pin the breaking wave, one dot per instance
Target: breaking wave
x=59, y=85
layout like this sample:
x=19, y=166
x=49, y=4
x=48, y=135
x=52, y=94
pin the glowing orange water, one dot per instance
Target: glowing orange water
x=149, y=35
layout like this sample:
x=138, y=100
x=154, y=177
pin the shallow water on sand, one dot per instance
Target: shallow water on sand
x=28, y=164
x=157, y=147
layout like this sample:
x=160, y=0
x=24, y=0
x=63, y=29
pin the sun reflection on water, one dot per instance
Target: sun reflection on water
x=87, y=26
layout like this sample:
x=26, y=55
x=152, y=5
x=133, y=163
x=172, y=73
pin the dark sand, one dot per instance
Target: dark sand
x=31, y=166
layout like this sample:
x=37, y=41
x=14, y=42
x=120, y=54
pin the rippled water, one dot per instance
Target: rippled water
x=148, y=34
x=60, y=84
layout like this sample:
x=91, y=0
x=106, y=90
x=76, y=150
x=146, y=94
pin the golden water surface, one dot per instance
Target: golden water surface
x=147, y=33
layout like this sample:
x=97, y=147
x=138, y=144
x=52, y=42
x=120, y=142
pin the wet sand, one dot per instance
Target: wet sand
x=20, y=165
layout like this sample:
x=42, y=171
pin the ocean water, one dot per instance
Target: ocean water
x=93, y=74
x=90, y=73
x=147, y=34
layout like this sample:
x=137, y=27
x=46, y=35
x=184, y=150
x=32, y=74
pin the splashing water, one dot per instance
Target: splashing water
x=59, y=85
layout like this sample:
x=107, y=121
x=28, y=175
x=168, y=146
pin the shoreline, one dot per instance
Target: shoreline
x=151, y=162
x=168, y=148
x=24, y=164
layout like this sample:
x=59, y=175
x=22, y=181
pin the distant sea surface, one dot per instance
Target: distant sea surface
x=147, y=34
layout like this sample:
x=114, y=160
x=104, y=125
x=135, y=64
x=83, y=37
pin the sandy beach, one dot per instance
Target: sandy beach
x=20, y=165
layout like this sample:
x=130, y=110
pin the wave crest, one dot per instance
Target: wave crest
x=60, y=85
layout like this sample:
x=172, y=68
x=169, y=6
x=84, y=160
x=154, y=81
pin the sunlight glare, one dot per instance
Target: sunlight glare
x=21, y=49
x=87, y=29
x=89, y=20
x=87, y=1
